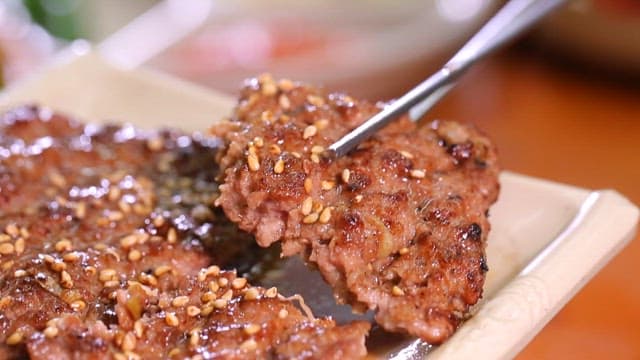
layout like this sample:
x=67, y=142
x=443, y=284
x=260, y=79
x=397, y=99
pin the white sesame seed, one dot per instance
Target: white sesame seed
x=309, y=131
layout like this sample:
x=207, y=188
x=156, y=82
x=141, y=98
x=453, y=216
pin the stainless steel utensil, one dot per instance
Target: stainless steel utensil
x=513, y=19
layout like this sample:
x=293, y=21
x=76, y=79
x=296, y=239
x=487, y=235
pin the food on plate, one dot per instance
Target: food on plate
x=110, y=247
x=398, y=226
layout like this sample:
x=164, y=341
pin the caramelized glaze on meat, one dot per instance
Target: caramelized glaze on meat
x=110, y=247
x=398, y=226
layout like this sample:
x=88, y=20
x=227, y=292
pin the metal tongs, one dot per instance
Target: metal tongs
x=514, y=18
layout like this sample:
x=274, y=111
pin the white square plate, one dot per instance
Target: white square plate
x=547, y=239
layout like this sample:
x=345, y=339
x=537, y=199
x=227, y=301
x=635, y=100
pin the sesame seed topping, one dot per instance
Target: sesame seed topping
x=158, y=221
x=278, y=168
x=296, y=154
x=396, y=291
x=58, y=266
x=317, y=149
x=271, y=292
x=172, y=236
x=65, y=280
x=258, y=141
x=251, y=294
x=193, y=311
x=155, y=143
x=358, y=198
x=6, y=248
x=19, y=246
x=308, y=185
x=220, y=303
x=346, y=175
x=134, y=255
x=275, y=149
x=327, y=185
x=253, y=162
x=111, y=283
x=307, y=205
x=12, y=230
x=63, y=245
x=78, y=305
x=284, y=102
x=213, y=286
x=239, y=283
x=404, y=251
x=252, y=329
x=50, y=332
x=81, y=210
x=283, y=313
x=322, y=124
x=5, y=301
x=20, y=273
x=315, y=158
x=106, y=275
x=228, y=295
x=325, y=215
x=309, y=131
x=194, y=337
x=15, y=338
x=406, y=154
x=208, y=296
x=286, y=85
x=129, y=241
x=315, y=100
x=418, y=174
x=70, y=257
x=223, y=281
x=138, y=328
x=180, y=301
x=249, y=345
x=171, y=319
x=311, y=218
x=161, y=270
x=269, y=89
x=128, y=342
x=4, y=238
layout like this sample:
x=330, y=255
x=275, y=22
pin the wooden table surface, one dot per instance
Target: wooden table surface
x=554, y=122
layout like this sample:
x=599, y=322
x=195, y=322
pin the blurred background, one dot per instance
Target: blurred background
x=561, y=103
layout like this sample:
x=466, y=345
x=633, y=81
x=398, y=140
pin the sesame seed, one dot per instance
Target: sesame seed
x=155, y=143
x=19, y=246
x=12, y=230
x=5, y=301
x=315, y=158
x=321, y=124
x=266, y=116
x=403, y=251
x=315, y=100
x=78, y=305
x=252, y=329
x=271, y=292
x=296, y=154
x=194, y=337
x=7, y=265
x=111, y=283
x=327, y=185
x=158, y=221
x=307, y=205
x=171, y=319
x=172, y=236
x=275, y=149
x=213, y=286
x=278, y=168
x=286, y=85
x=249, y=345
x=223, y=281
x=173, y=352
x=15, y=338
x=4, y=238
x=346, y=175
x=418, y=174
x=180, y=301
x=193, y=311
x=70, y=257
x=311, y=218
x=317, y=207
x=309, y=131
x=106, y=275
x=6, y=248
x=65, y=280
x=90, y=270
x=220, y=303
x=124, y=207
x=57, y=179
x=134, y=255
x=148, y=279
x=114, y=193
x=406, y=154
x=161, y=270
x=24, y=232
x=208, y=296
x=48, y=259
x=251, y=294
x=325, y=215
x=81, y=210
x=239, y=283
x=253, y=162
x=308, y=185
x=50, y=332
x=58, y=266
x=283, y=313
x=358, y=198
x=128, y=342
x=228, y=295
x=20, y=273
x=396, y=291
x=317, y=149
x=129, y=241
x=115, y=215
x=63, y=245
x=269, y=89
x=284, y=102
x=207, y=309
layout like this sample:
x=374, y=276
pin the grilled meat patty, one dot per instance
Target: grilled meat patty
x=110, y=247
x=398, y=226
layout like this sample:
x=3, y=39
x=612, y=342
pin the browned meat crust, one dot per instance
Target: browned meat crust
x=107, y=240
x=399, y=225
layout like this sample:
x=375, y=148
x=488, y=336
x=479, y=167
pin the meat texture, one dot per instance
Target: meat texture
x=110, y=247
x=398, y=226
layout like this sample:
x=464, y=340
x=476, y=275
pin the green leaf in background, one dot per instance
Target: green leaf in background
x=59, y=17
